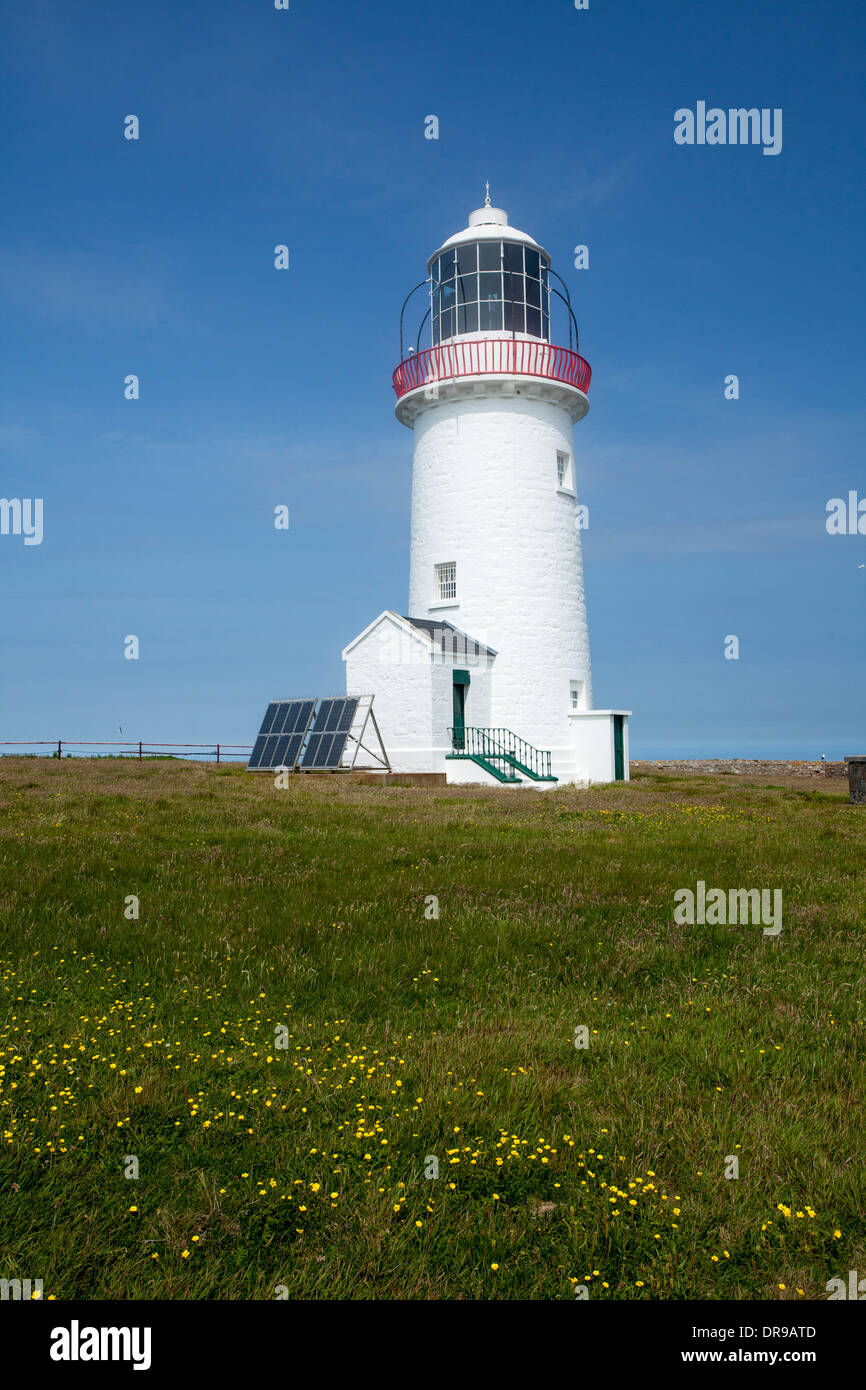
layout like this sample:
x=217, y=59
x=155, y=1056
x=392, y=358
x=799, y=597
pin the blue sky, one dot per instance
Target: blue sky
x=259, y=387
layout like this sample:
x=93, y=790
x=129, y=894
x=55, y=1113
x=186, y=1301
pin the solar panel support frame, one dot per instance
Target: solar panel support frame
x=365, y=714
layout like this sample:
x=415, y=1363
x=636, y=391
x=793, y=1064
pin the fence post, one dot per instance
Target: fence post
x=218, y=752
x=139, y=751
x=60, y=748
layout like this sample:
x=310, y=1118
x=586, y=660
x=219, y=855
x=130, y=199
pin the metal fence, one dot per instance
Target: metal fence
x=73, y=748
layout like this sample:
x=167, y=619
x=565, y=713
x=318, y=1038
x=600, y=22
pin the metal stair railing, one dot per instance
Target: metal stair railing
x=502, y=745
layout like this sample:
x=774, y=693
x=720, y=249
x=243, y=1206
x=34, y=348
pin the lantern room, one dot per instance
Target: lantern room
x=490, y=279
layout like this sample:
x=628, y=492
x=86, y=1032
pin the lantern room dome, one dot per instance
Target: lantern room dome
x=487, y=224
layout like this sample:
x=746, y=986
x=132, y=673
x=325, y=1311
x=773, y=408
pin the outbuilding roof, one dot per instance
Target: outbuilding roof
x=450, y=638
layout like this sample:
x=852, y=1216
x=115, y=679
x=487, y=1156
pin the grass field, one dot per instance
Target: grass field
x=287, y=1036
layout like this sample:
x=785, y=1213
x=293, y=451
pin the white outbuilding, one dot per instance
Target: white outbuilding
x=488, y=676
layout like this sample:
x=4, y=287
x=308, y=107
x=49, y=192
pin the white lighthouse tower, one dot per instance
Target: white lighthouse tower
x=487, y=675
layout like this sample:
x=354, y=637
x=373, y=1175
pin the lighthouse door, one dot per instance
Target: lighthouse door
x=461, y=681
x=618, y=750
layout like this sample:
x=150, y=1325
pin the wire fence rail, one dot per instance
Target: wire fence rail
x=130, y=748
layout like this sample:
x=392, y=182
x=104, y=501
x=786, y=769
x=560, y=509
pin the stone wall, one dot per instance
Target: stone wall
x=743, y=766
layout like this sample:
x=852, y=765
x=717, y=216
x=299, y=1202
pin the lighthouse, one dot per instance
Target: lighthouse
x=486, y=674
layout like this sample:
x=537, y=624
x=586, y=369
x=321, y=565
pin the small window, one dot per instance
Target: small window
x=576, y=695
x=446, y=582
x=564, y=477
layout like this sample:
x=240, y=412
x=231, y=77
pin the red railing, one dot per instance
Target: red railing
x=70, y=748
x=492, y=356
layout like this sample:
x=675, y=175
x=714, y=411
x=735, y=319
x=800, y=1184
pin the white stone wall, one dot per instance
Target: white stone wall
x=396, y=670
x=485, y=495
x=592, y=739
x=412, y=685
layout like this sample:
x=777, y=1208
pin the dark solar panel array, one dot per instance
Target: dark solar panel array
x=327, y=742
x=282, y=734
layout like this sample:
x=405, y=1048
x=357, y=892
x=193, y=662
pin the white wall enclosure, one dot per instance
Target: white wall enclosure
x=488, y=677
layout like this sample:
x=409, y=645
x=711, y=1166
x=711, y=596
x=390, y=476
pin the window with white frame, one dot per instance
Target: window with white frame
x=446, y=582
x=564, y=475
x=576, y=695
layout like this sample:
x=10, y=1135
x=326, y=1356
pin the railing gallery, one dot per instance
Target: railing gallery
x=492, y=356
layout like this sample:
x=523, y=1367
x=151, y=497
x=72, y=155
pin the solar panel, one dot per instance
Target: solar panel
x=279, y=718
x=270, y=716
x=323, y=722
x=321, y=750
x=327, y=742
x=293, y=748
x=282, y=734
x=286, y=726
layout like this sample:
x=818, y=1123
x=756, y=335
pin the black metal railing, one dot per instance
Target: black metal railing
x=500, y=746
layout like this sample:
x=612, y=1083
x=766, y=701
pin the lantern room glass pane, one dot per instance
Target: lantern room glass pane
x=514, y=288
x=514, y=317
x=491, y=286
x=513, y=257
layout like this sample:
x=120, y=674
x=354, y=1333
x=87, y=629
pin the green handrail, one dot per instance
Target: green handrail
x=498, y=745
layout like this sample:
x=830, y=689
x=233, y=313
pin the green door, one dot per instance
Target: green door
x=459, y=715
x=618, y=755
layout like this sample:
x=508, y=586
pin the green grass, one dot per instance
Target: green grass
x=410, y=1036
